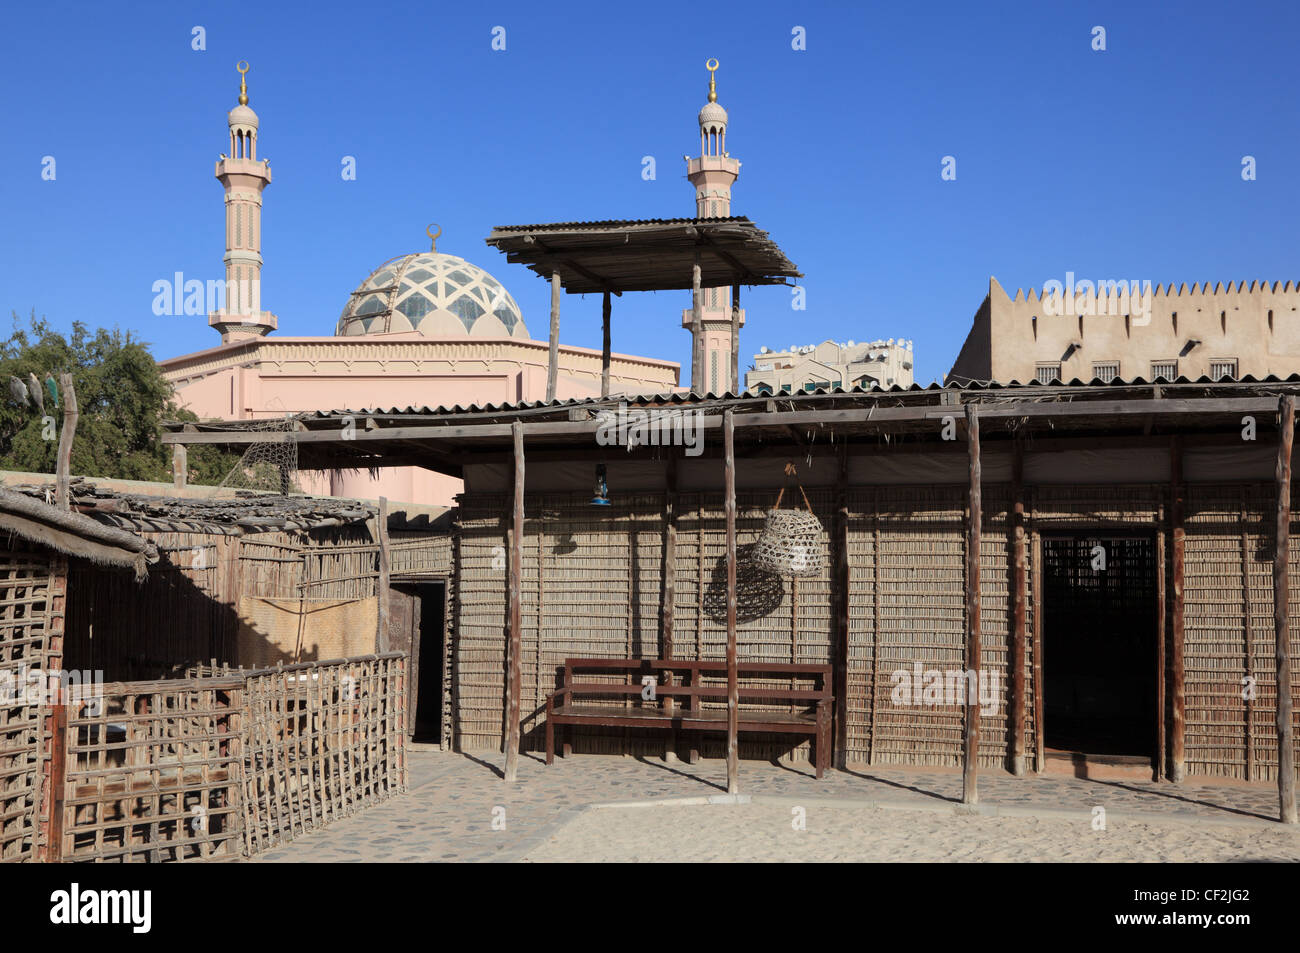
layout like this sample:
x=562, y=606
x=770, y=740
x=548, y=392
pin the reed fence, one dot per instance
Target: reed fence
x=27, y=588
x=227, y=763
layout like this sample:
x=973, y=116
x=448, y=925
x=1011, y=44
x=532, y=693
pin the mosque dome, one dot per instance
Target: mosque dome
x=712, y=113
x=435, y=294
x=242, y=115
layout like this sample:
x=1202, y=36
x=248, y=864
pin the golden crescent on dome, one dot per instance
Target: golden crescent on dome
x=242, y=66
x=711, y=65
x=433, y=236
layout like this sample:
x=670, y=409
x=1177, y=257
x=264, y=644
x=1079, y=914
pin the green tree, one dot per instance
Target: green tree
x=122, y=398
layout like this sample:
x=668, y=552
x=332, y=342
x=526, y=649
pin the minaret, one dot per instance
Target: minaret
x=712, y=173
x=244, y=176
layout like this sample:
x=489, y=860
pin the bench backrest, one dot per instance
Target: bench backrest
x=682, y=678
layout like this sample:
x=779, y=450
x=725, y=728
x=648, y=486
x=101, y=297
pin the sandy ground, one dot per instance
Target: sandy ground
x=765, y=833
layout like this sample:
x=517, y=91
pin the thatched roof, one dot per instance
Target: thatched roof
x=231, y=516
x=74, y=534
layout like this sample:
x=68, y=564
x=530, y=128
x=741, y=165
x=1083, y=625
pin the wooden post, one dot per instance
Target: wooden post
x=180, y=466
x=1177, y=724
x=1281, y=598
x=1036, y=633
x=63, y=468
x=553, y=362
x=514, y=661
x=1162, y=600
x=604, y=353
x=697, y=330
x=381, y=524
x=736, y=386
x=668, y=611
x=841, y=670
x=733, y=697
x=1248, y=642
x=58, y=721
x=969, y=794
x=1019, y=595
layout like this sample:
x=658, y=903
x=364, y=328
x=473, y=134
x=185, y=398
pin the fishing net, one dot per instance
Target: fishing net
x=270, y=465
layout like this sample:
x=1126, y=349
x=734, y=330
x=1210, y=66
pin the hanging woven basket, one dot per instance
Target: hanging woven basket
x=791, y=542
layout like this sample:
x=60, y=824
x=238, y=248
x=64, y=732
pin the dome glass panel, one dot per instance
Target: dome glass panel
x=428, y=284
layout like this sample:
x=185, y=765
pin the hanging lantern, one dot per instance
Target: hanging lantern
x=602, y=488
x=791, y=542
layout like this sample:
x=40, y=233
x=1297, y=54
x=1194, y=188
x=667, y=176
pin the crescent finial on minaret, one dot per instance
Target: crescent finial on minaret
x=242, y=66
x=433, y=236
x=712, y=67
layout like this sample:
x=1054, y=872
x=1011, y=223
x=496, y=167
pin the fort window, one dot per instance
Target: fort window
x=1046, y=373
x=1106, y=371
x=1223, y=367
x=1164, y=370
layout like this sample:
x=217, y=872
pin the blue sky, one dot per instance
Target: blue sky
x=1123, y=164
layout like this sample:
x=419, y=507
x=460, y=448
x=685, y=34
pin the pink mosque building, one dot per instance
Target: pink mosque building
x=423, y=329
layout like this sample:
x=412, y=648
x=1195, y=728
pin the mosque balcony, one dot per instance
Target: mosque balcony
x=711, y=316
x=249, y=324
x=256, y=168
x=712, y=164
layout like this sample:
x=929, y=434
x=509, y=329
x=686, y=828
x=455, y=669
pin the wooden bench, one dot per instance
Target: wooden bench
x=587, y=703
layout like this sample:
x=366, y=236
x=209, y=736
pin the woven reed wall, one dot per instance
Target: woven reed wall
x=27, y=582
x=423, y=555
x=1229, y=631
x=182, y=612
x=189, y=609
x=594, y=573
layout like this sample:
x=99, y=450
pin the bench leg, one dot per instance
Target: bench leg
x=550, y=741
x=693, y=756
x=822, y=754
x=566, y=747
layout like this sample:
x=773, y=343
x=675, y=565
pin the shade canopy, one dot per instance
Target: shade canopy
x=647, y=255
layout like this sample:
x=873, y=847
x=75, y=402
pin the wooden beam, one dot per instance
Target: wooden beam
x=697, y=330
x=736, y=387
x=733, y=696
x=1177, y=691
x=862, y=415
x=514, y=667
x=553, y=361
x=604, y=351
x=1281, y=606
x=969, y=794
x=841, y=656
x=1019, y=598
x=63, y=467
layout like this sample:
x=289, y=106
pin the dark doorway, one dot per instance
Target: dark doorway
x=1099, y=644
x=415, y=625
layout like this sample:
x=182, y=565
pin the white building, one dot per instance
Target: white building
x=884, y=363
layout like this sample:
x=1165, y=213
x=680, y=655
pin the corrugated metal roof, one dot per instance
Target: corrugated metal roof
x=678, y=398
x=620, y=223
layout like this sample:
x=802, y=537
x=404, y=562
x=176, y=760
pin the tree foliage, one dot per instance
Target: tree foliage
x=122, y=398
